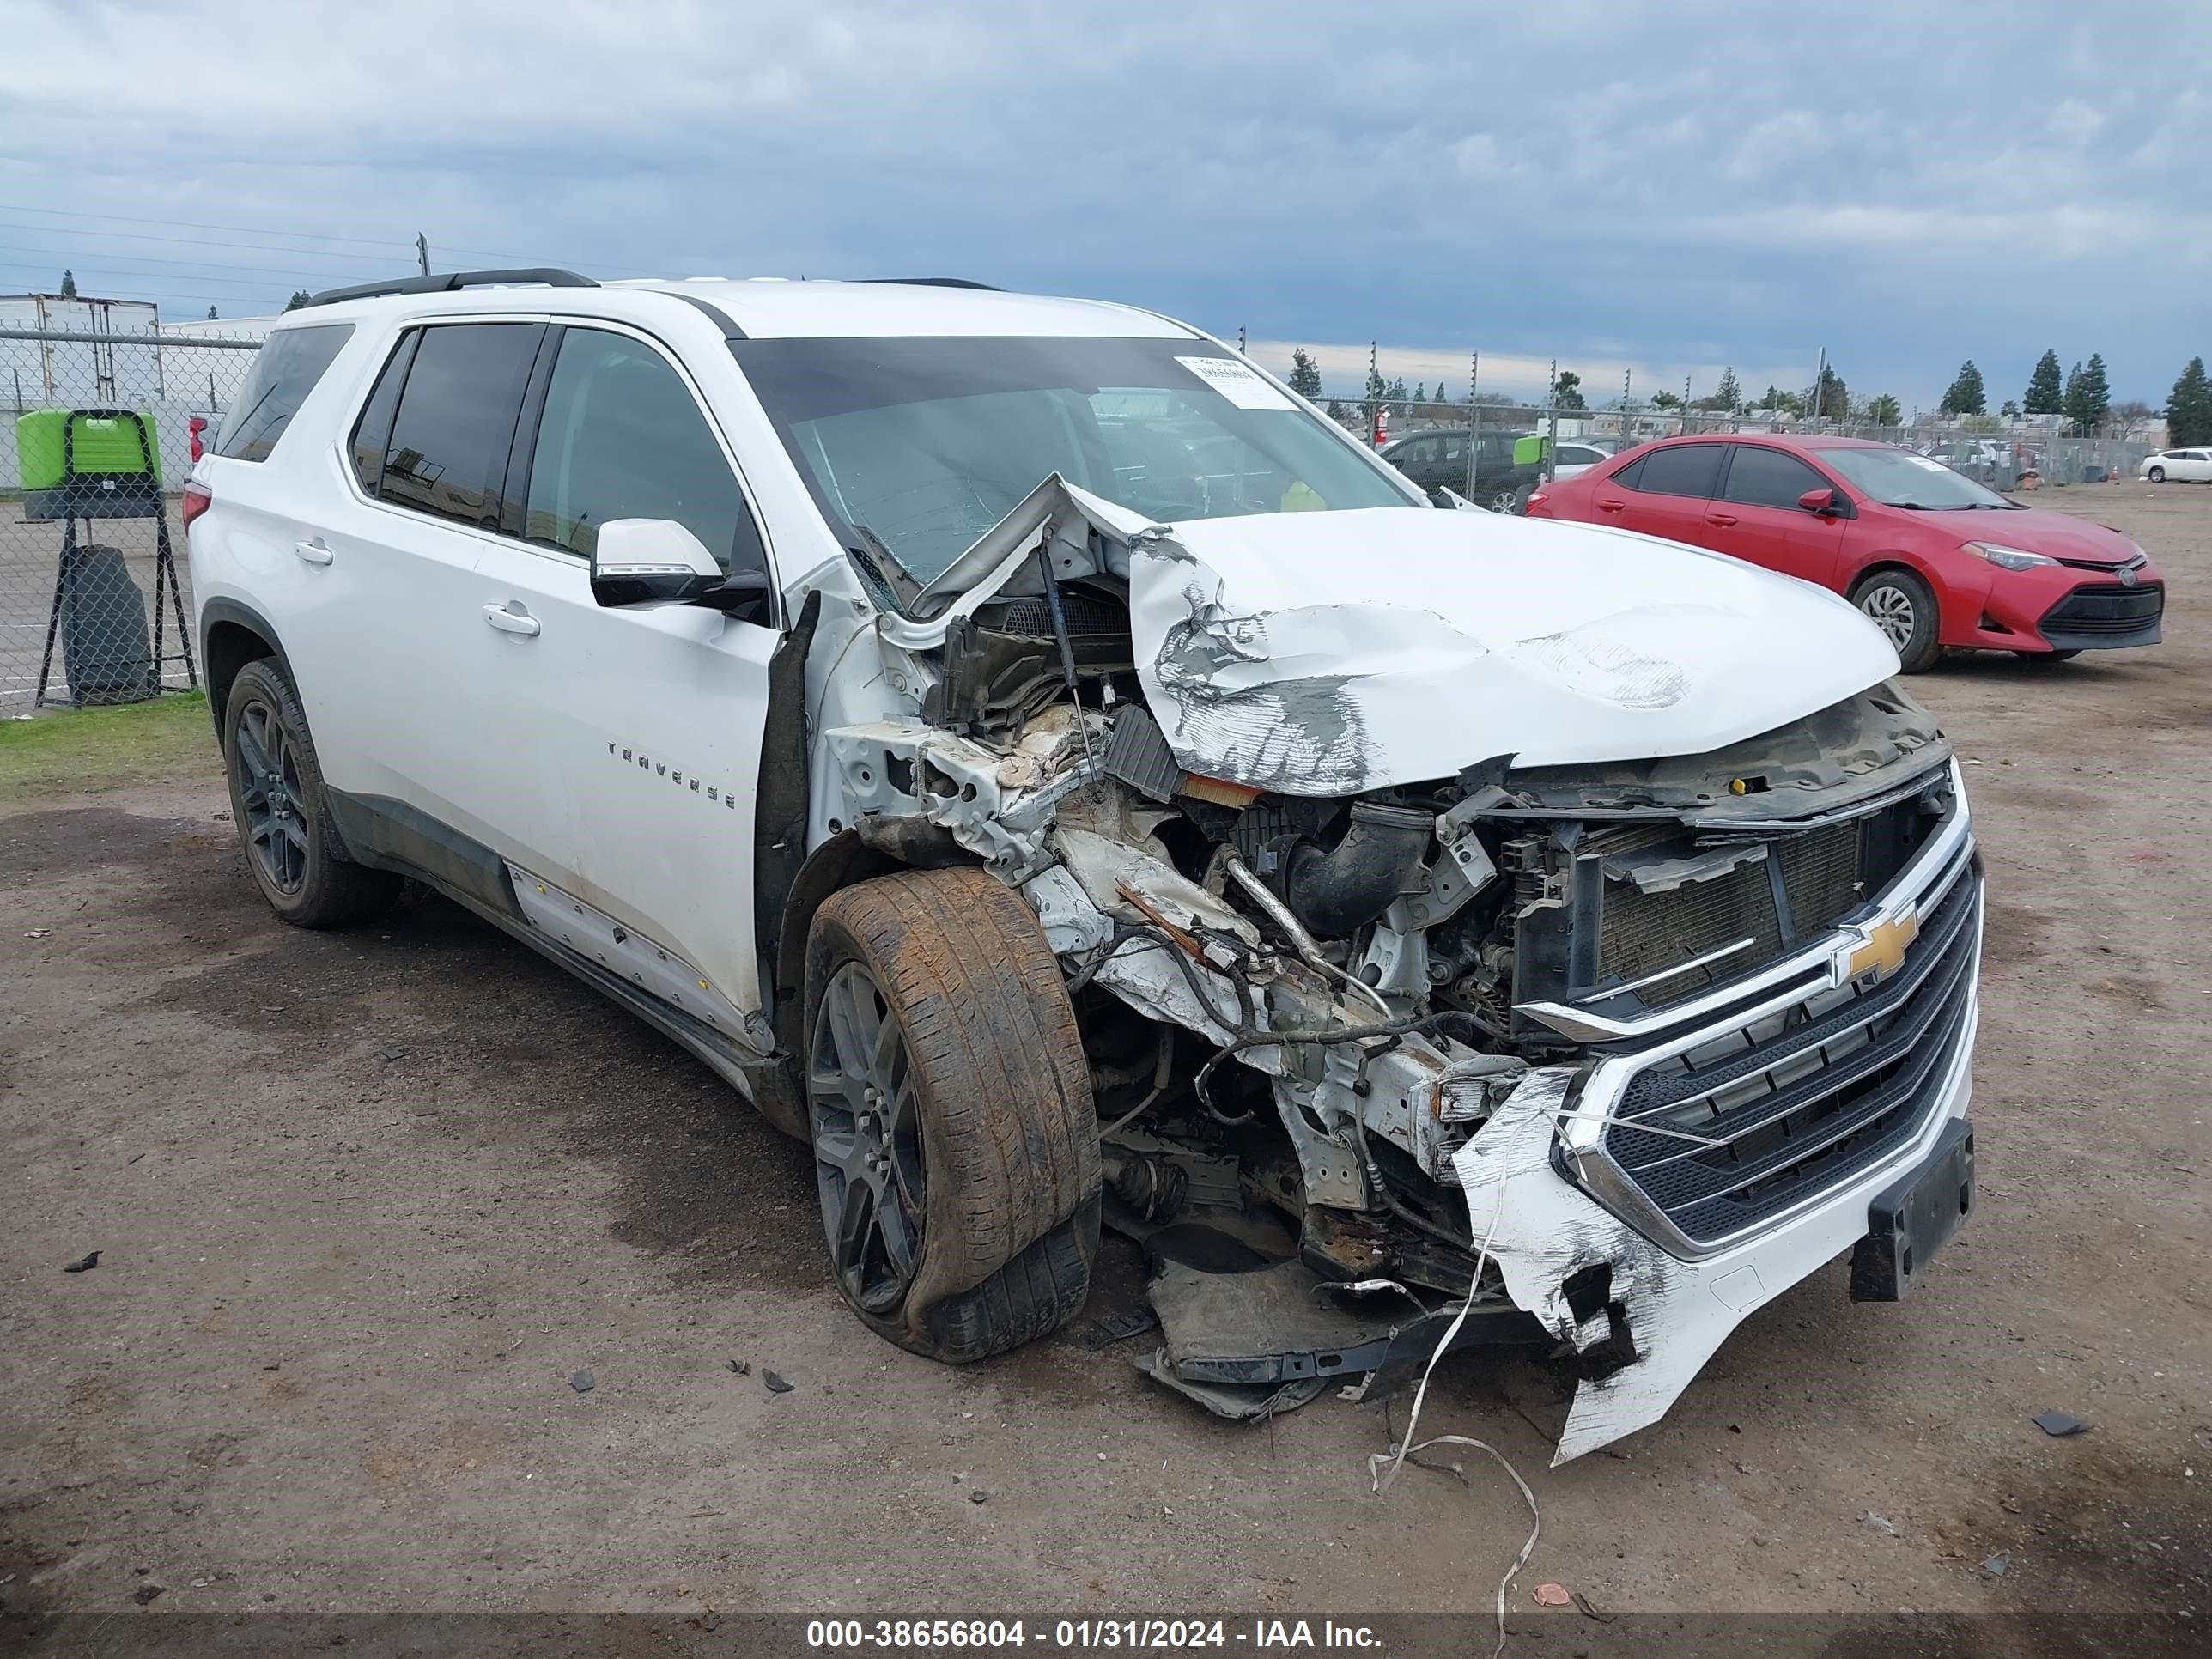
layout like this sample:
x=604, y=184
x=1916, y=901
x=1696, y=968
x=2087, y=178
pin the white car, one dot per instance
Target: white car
x=1059, y=776
x=2177, y=466
x=1573, y=456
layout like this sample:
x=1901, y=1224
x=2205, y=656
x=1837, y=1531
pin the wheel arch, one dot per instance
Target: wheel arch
x=233, y=634
x=1912, y=565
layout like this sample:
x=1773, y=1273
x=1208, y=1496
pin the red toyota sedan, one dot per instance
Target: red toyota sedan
x=1934, y=558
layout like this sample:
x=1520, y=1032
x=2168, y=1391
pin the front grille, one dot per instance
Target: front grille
x=2106, y=613
x=1806, y=1098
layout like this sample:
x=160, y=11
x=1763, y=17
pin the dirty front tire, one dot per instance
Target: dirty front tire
x=277, y=800
x=1904, y=607
x=949, y=1102
x=2158, y=474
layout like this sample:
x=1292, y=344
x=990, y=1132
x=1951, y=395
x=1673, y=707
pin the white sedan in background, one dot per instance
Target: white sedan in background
x=1569, y=459
x=2178, y=465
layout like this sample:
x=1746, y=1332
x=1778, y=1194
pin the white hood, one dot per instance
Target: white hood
x=1325, y=653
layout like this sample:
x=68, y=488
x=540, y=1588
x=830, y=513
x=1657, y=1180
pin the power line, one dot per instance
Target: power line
x=187, y=224
x=200, y=241
x=191, y=285
x=63, y=256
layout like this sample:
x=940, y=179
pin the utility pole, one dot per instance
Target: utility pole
x=1627, y=380
x=1686, y=402
x=1820, y=381
x=1374, y=406
x=1473, y=415
x=422, y=252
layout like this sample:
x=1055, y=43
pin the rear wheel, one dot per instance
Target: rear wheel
x=284, y=820
x=1904, y=607
x=956, y=1144
x=1505, y=498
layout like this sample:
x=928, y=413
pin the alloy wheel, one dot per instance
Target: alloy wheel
x=867, y=1124
x=1506, y=501
x=266, y=765
x=1891, y=609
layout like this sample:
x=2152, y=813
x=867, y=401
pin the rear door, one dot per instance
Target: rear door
x=618, y=750
x=1663, y=492
x=1754, y=515
x=383, y=649
x=2197, y=465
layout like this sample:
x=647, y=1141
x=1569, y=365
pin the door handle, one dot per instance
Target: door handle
x=1723, y=519
x=512, y=618
x=1612, y=507
x=314, y=552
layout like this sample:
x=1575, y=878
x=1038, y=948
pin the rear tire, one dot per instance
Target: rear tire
x=1506, y=500
x=955, y=1139
x=283, y=819
x=1904, y=607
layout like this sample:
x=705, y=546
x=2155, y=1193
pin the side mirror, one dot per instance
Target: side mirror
x=1812, y=500
x=654, y=561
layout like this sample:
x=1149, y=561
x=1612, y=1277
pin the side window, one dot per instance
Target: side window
x=1628, y=476
x=285, y=370
x=456, y=419
x=1759, y=476
x=623, y=437
x=1678, y=469
x=372, y=432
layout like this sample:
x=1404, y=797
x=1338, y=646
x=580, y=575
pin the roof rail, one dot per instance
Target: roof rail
x=933, y=282
x=549, y=275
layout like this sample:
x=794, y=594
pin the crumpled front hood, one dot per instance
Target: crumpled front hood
x=1327, y=653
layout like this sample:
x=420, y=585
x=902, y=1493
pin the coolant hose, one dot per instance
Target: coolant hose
x=1336, y=892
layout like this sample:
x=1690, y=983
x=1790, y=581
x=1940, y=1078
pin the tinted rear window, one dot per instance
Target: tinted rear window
x=285, y=370
x=456, y=419
x=1682, y=469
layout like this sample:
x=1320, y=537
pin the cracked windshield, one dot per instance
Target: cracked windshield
x=917, y=447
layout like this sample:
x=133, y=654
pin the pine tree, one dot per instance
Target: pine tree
x=1967, y=396
x=1567, y=390
x=2189, y=409
x=1305, y=374
x=2043, y=395
x=1832, y=399
x=1726, y=396
x=211, y=313
x=2087, y=396
x=69, y=285
x=301, y=296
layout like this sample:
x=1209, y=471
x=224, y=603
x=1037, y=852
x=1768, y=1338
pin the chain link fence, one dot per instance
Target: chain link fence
x=97, y=436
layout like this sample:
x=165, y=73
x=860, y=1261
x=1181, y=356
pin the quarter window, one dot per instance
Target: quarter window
x=456, y=419
x=623, y=437
x=1678, y=469
x=285, y=370
x=1759, y=476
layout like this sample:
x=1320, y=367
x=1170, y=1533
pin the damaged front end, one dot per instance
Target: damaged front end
x=1608, y=1037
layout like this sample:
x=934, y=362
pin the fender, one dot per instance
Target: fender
x=223, y=667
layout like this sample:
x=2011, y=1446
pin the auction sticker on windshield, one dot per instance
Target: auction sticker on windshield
x=1235, y=382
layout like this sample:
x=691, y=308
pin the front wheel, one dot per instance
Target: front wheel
x=2157, y=475
x=956, y=1143
x=1903, y=606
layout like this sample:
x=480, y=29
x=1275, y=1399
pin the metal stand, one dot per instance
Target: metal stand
x=103, y=495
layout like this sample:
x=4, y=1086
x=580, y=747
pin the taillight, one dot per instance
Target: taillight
x=1538, y=498
x=196, y=500
x=195, y=427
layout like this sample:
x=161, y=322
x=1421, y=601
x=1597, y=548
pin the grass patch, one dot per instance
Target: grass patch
x=65, y=750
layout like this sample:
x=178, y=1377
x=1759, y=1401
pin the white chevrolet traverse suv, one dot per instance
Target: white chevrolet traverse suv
x=1054, y=771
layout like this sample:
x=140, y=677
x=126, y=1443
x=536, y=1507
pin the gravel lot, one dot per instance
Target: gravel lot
x=365, y=1202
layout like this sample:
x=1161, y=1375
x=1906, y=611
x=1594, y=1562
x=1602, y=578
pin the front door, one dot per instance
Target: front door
x=619, y=754
x=1754, y=515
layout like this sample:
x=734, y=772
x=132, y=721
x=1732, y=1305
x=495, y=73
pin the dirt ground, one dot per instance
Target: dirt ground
x=365, y=1202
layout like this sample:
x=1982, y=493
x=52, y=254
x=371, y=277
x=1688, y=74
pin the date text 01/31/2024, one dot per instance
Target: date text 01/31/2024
x=1166, y=1634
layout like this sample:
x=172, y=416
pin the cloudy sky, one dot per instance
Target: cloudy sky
x=1663, y=188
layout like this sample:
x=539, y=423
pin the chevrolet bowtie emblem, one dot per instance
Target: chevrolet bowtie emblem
x=1883, y=953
